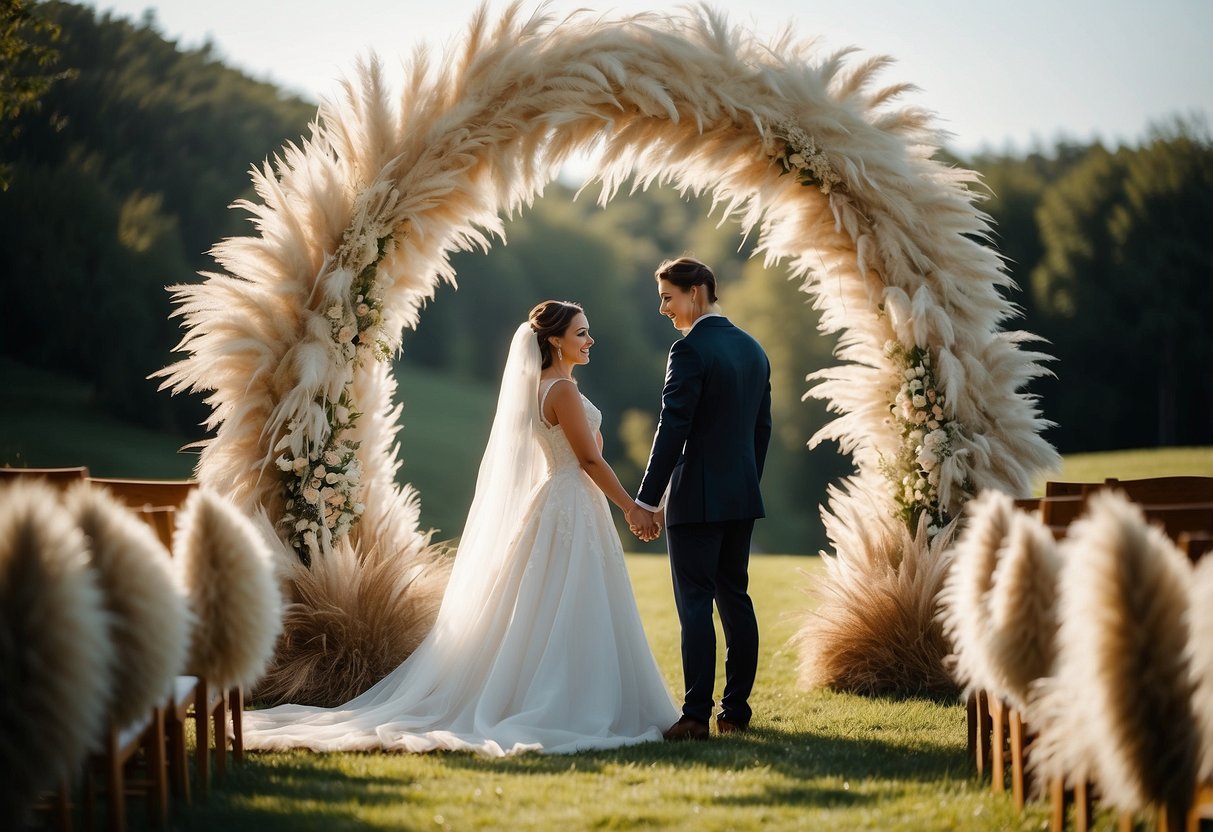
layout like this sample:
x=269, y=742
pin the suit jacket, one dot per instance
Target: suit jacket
x=715, y=425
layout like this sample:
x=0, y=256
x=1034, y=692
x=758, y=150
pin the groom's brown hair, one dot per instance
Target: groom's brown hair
x=685, y=272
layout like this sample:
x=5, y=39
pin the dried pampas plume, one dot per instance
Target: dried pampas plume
x=352, y=621
x=56, y=659
x=1022, y=631
x=233, y=590
x=1200, y=660
x=964, y=600
x=149, y=621
x=873, y=631
x=1118, y=709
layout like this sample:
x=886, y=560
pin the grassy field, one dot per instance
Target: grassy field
x=816, y=760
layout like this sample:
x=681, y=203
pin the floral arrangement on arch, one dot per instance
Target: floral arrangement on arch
x=322, y=479
x=919, y=409
x=800, y=156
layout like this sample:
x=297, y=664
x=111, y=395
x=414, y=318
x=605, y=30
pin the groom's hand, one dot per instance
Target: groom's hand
x=643, y=524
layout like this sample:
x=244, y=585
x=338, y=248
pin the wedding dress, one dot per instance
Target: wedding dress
x=538, y=645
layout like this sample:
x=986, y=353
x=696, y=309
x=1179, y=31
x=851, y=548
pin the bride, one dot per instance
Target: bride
x=538, y=645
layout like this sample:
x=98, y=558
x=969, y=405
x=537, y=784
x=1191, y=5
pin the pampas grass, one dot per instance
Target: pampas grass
x=56, y=658
x=895, y=254
x=1020, y=643
x=1200, y=660
x=870, y=633
x=233, y=590
x=352, y=621
x=149, y=621
x=1118, y=709
x=964, y=599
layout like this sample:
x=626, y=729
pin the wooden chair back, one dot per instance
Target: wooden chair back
x=1055, y=488
x=1165, y=490
x=140, y=493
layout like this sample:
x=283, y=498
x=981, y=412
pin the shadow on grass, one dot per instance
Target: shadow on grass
x=796, y=755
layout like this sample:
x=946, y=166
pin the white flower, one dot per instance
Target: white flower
x=331, y=477
x=932, y=424
x=311, y=495
x=938, y=411
x=916, y=385
x=319, y=471
x=362, y=310
x=920, y=400
x=309, y=538
x=920, y=371
x=910, y=374
x=920, y=485
x=334, y=312
x=300, y=465
x=284, y=463
x=342, y=414
x=796, y=160
x=331, y=458
x=359, y=508
x=301, y=525
x=345, y=335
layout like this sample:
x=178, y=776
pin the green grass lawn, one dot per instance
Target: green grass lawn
x=815, y=760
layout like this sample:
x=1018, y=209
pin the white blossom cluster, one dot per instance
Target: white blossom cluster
x=918, y=408
x=322, y=481
x=321, y=489
x=799, y=155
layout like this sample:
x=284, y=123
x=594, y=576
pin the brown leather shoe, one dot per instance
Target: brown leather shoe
x=728, y=726
x=687, y=729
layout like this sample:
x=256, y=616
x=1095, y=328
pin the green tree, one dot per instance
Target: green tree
x=29, y=67
x=1125, y=289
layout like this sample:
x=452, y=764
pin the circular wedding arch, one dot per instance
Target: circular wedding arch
x=354, y=226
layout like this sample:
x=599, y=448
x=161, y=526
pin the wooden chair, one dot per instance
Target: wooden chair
x=1181, y=518
x=140, y=493
x=163, y=521
x=1165, y=490
x=60, y=478
x=1056, y=488
x=118, y=753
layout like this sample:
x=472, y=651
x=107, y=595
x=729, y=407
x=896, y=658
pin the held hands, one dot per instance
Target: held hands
x=644, y=523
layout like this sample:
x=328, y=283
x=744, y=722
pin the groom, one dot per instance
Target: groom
x=709, y=450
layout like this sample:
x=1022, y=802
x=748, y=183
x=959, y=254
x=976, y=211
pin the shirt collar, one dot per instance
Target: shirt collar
x=701, y=317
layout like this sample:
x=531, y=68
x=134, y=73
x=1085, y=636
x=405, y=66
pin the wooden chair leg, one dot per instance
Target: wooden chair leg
x=157, y=765
x=1018, y=750
x=982, y=730
x=202, y=746
x=1083, y=807
x=115, y=783
x=221, y=736
x=236, y=704
x=178, y=756
x=1059, y=798
x=997, y=744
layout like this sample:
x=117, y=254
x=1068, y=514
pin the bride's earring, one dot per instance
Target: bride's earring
x=560, y=354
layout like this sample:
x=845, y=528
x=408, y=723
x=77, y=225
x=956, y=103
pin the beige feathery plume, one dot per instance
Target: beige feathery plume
x=351, y=622
x=896, y=253
x=1200, y=660
x=870, y=632
x=150, y=623
x=1117, y=711
x=964, y=601
x=56, y=658
x=1022, y=630
x=233, y=590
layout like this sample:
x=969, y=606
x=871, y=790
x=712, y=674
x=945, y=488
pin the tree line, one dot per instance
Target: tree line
x=121, y=172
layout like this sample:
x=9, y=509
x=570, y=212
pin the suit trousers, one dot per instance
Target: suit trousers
x=710, y=562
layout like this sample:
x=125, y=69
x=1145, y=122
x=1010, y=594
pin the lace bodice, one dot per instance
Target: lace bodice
x=556, y=447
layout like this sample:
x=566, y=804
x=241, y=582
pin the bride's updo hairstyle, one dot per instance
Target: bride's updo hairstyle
x=686, y=272
x=551, y=318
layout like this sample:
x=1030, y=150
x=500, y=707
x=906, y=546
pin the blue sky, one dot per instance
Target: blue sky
x=999, y=75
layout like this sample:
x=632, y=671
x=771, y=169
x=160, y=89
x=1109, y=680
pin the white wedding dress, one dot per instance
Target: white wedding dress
x=542, y=652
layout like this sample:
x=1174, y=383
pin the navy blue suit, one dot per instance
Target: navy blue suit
x=709, y=449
